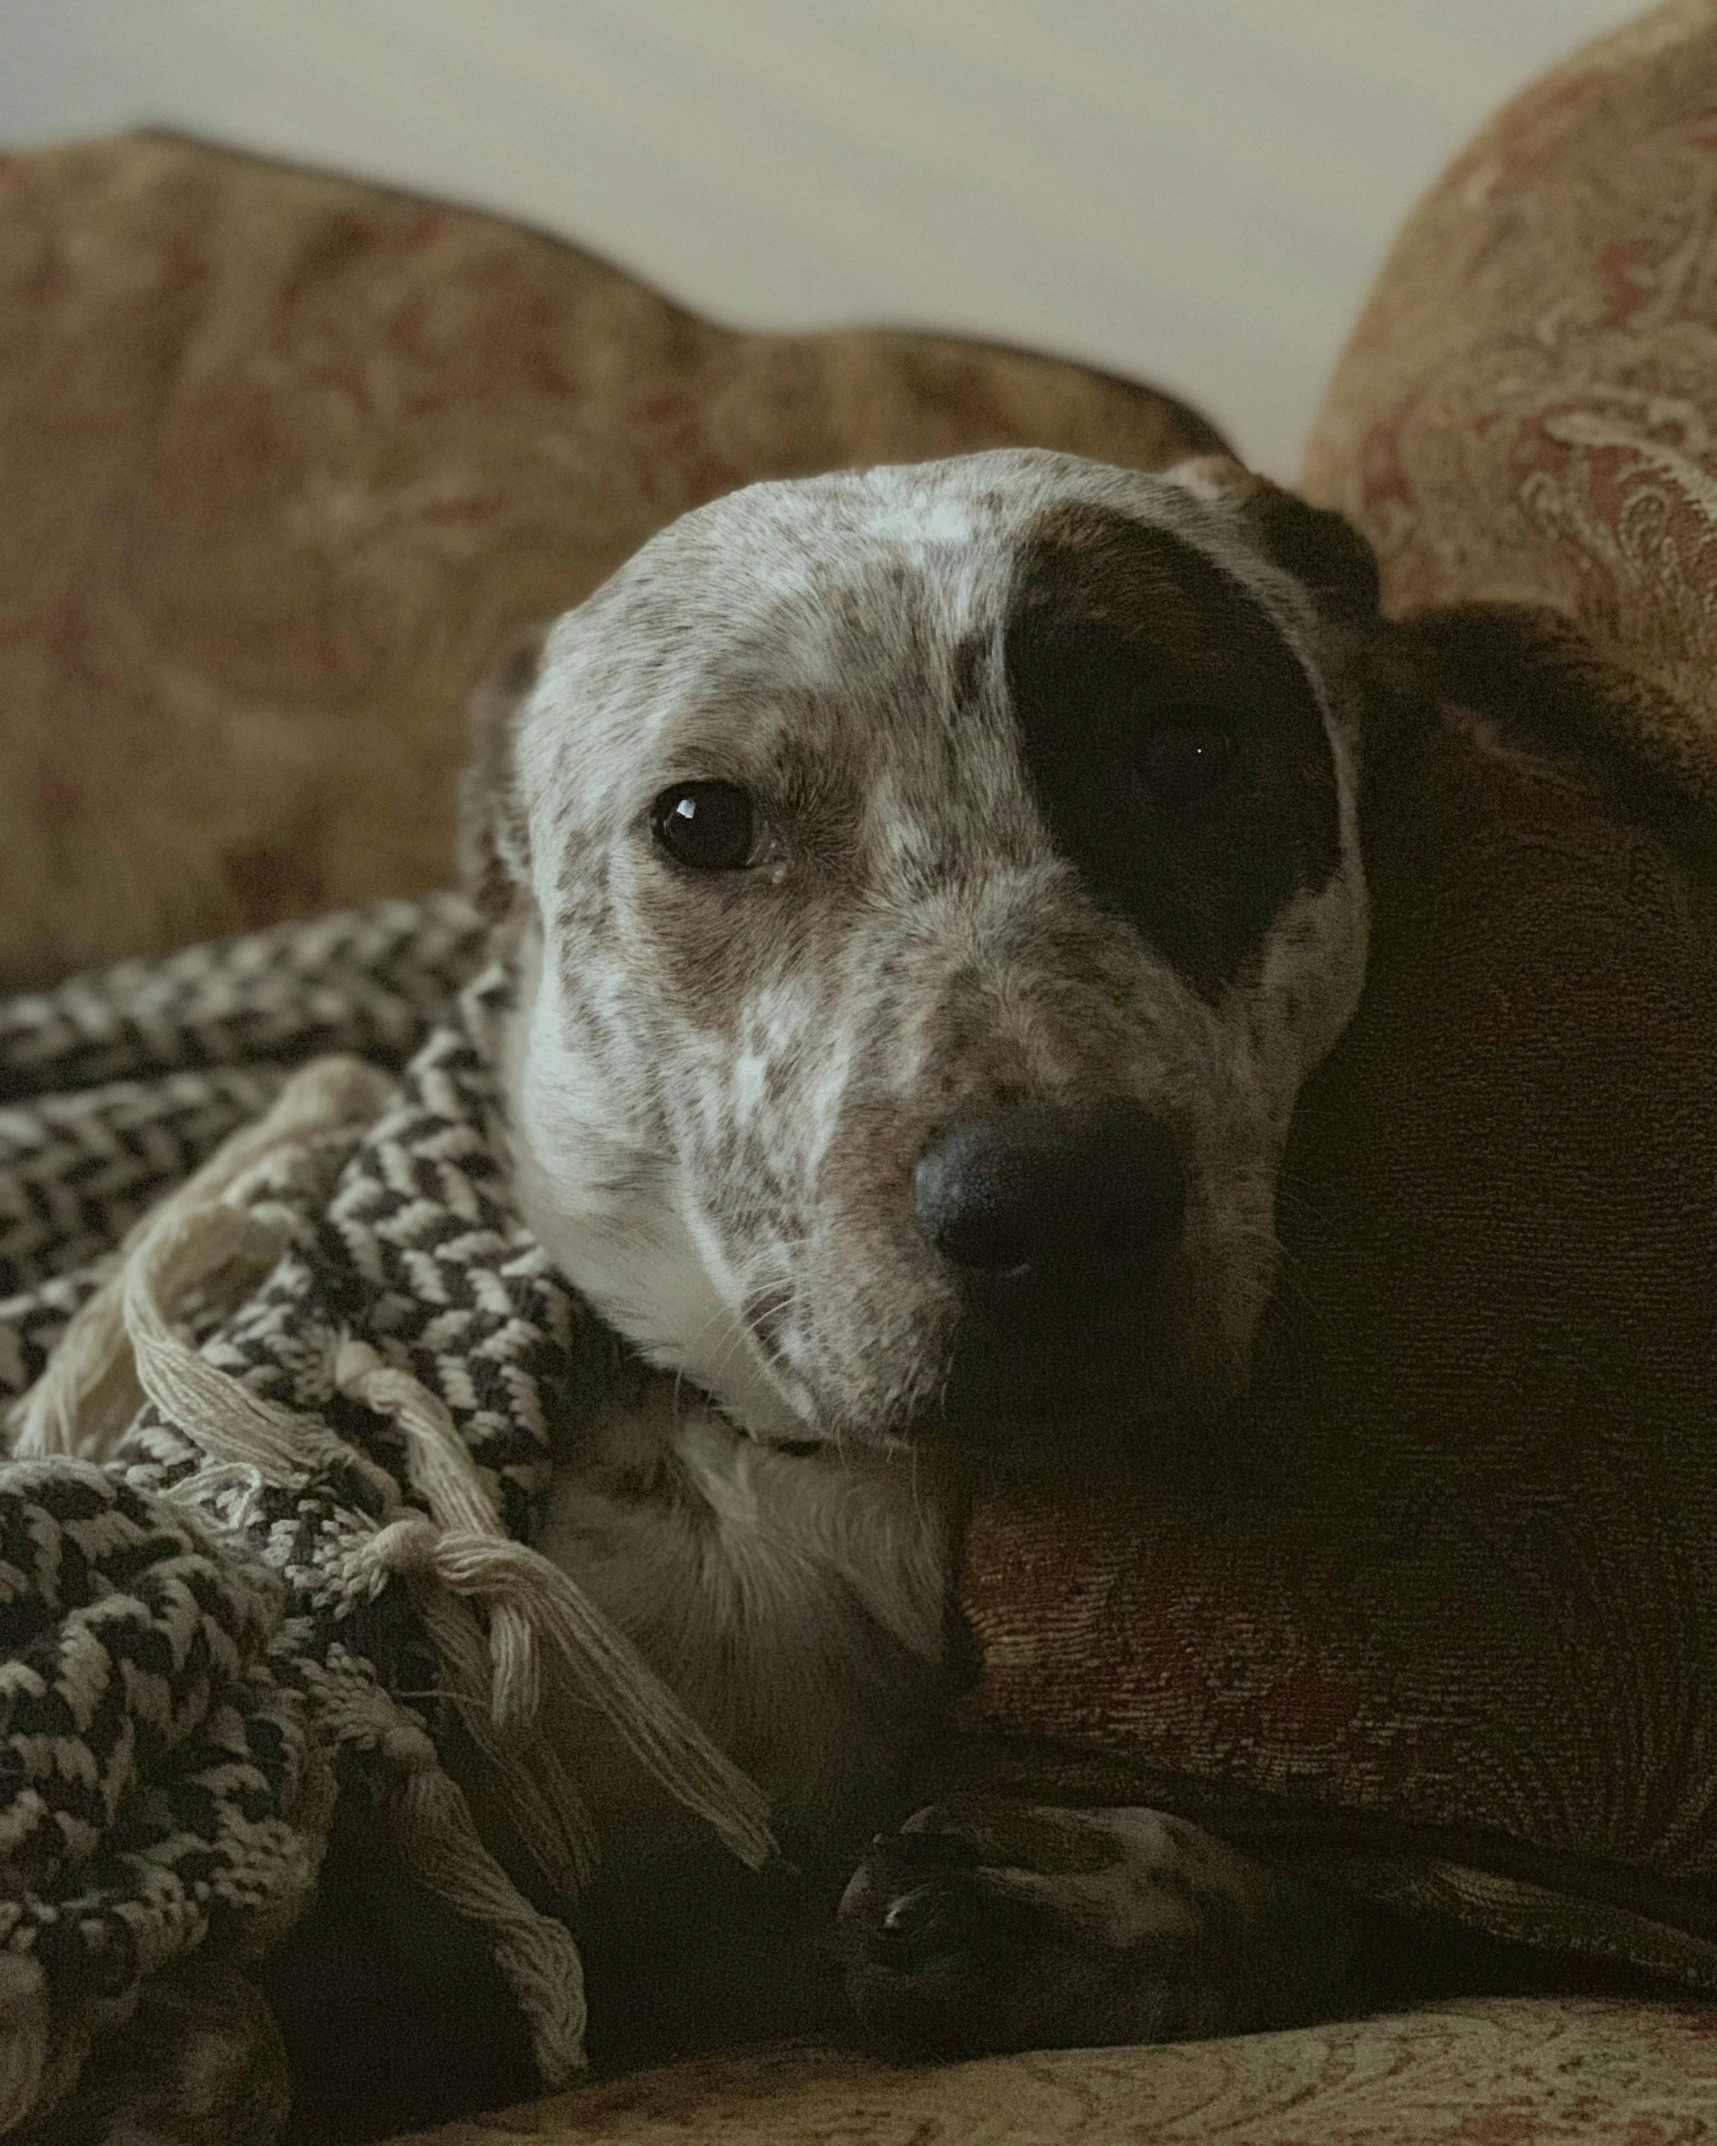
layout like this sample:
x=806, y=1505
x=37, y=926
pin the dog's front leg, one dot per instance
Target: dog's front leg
x=987, y=1924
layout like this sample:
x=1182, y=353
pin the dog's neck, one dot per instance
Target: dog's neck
x=797, y=1599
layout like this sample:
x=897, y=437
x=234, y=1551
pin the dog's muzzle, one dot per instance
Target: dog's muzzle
x=1058, y=1225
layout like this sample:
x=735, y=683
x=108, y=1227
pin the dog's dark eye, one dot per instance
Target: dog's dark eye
x=1186, y=764
x=709, y=825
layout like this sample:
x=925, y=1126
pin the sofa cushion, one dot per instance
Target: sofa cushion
x=1520, y=2072
x=285, y=457
x=1527, y=407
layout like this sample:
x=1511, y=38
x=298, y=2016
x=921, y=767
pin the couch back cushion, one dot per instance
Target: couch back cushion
x=286, y=457
x=1527, y=407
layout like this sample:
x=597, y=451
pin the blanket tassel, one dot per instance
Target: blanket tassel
x=122, y=1347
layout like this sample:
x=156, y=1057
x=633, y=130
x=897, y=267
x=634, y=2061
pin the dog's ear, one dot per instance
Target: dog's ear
x=1547, y=684
x=494, y=844
x=1321, y=549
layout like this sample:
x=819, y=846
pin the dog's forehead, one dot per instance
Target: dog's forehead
x=788, y=558
x=850, y=604
x=786, y=573
x=798, y=584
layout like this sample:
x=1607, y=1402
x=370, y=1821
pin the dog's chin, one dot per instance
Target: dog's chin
x=997, y=1382
x=983, y=1399
x=1013, y=1413
x=1079, y=1422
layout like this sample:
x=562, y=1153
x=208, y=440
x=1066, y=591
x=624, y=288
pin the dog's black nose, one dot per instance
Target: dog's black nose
x=1042, y=1192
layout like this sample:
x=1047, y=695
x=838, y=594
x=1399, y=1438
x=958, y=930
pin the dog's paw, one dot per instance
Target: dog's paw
x=986, y=1924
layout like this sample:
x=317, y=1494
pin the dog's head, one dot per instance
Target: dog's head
x=937, y=884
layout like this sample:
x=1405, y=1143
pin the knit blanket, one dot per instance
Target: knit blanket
x=282, y=1358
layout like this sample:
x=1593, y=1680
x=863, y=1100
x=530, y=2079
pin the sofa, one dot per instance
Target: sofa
x=288, y=458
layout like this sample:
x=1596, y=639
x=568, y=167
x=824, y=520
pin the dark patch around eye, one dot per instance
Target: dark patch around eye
x=1188, y=767
x=1174, y=744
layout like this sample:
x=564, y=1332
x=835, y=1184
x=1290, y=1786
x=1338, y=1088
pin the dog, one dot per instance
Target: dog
x=928, y=890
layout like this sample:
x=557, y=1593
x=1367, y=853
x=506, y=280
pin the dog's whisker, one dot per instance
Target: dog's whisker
x=693, y=1350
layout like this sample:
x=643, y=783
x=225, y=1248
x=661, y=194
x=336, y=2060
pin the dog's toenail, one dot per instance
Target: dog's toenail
x=908, y=1909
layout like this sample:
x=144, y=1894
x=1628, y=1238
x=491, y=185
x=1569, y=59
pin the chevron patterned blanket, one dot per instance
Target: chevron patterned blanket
x=278, y=1358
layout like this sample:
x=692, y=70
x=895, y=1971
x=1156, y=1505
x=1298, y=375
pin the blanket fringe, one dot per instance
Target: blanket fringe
x=439, y=1844
x=460, y=1545
x=122, y=1347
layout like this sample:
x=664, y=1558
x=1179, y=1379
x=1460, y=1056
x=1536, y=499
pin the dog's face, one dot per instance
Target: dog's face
x=937, y=884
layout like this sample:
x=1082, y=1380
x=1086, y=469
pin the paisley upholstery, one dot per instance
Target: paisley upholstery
x=286, y=457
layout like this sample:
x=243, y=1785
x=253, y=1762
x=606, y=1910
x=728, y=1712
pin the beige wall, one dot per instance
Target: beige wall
x=1195, y=191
